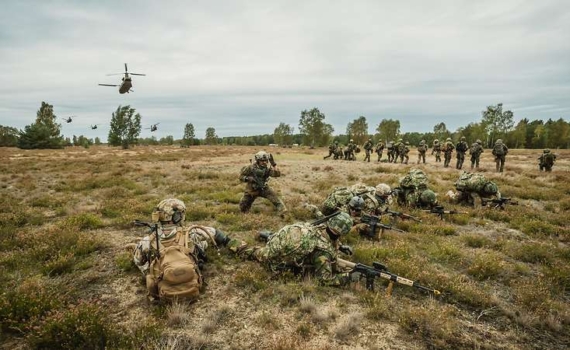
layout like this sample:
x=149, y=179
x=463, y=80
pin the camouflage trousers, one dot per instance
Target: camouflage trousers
x=499, y=163
x=404, y=158
x=422, y=157
x=379, y=155
x=460, y=159
x=331, y=153
x=446, y=159
x=437, y=156
x=250, y=196
x=320, y=264
x=475, y=161
x=367, y=156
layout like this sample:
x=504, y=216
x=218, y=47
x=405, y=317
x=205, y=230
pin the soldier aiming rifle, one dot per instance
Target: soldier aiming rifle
x=499, y=203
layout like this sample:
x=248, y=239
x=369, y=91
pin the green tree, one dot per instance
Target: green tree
x=97, y=141
x=283, y=134
x=358, y=130
x=558, y=133
x=388, y=129
x=189, y=135
x=496, y=122
x=315, y=131
x=44, y=133
x=168, y=140
x=211, y=137
x=440, y=131
x=8, y=136
x=125, y=127
x=517, y=137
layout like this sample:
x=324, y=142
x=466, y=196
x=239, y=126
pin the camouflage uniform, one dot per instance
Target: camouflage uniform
x=500, y=151
x=332, y=150
x=460, y=150
x=349, y=151
x=546, y=160
x=256, y=176
x=379, y=149
x=448, y=148
x=368, y=146
x=300, y=246
x=472, y=188
x=475, y=152
x=422, y=149
x=414, y=192
x=391, y=151
x=397, y=147
x=436, y=148
x=403, y=150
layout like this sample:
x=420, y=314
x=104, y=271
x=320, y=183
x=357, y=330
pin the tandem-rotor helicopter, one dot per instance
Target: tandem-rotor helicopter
x=153, y=127
x=69, y=119
x=126, y=83
x=94, y=126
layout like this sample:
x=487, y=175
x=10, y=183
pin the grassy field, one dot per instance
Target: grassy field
x=68, y=282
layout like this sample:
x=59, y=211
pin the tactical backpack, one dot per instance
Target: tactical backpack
x=416, y=178
x=471, y=182
x=175, y=274
x=337, y=199
x=498, y=150
x=549, y=159
x=475, y=148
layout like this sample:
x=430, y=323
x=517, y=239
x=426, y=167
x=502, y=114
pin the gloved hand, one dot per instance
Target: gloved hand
x=361, y=227
x=346, y=249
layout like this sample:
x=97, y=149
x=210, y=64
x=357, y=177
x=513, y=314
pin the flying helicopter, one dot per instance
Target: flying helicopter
x=68, y=119
x=126, y=83
x=153, y=127
x=94, y=126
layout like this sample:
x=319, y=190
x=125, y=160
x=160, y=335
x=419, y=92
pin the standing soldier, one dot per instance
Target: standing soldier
x=404, y=149
x=256, y=176
x=500, y=151
x=349, y=151
x=379, y=149
x=390, y=151
x=368, y=146
x=422, y=148
x=448, y=148
x=332, y=149
x=436, y=148
x=475, y=152
x=397, y=147
x=460, y=150
x=546, y=160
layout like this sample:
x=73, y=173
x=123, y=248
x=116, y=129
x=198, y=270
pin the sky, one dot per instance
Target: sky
x=244, y=67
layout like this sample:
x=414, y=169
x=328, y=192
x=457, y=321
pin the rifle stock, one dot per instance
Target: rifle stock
x=153, y=228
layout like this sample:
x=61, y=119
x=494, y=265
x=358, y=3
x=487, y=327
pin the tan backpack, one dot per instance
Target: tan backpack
x=175, y=274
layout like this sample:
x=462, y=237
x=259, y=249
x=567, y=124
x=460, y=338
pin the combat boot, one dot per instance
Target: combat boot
x=221, y=238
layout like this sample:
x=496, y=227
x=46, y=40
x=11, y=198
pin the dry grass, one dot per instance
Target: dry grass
x=65, y=216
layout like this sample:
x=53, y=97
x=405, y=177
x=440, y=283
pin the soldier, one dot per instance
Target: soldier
x=332, y=149
x=379, y=149
x=413, y=191
x=339, y=153
x=256, y=176
x=403, y=150
x=448, y=148
x=391, y=151
x=460, y=150
x=500, y=151
x=546, y=160
x=475, y=152
x=436, y=148
x=349, y=151
x=422, y=149
x=472, y=189
x=190, y=242
x=368, y=146
x=397, y=147
x=303, y=247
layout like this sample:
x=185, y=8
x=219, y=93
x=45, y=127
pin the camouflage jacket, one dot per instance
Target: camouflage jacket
x=461, y=147
x=448, y=147
x=368, y=145
x=476, y=149
x=379, y=146
x=259, y=174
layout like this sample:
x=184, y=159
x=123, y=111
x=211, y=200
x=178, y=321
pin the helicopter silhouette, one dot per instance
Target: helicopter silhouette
x=68, y=119
x=93, y=127
x=126, y=83
x=153, y=127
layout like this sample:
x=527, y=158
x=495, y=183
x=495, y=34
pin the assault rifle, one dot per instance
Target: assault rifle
x=374, y=222
x=401, y=215
x=264, y=235
x=439, y=210
x=153, y=228
x=499, y=203
x=378, y=270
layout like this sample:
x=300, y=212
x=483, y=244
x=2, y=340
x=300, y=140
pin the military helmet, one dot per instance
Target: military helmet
x=499, y=141
x=448, y=139
x=490, y=188
x=261, y=155
x=428, y=197
x=479, y=141
x=356, y=203
x=546, y=150
x=407, y=143
x=336, y=142
x=383, y=189
x=170, y=209
x=422, y=142
x=462, y=138
x=436, y=140
x=340, y=224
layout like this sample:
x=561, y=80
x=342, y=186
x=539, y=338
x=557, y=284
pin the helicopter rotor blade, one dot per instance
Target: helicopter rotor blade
x=108, y=85
x=114, y=74
x=137, y=74
x=126, y=68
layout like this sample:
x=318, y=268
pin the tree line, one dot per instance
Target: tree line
x=125, y=129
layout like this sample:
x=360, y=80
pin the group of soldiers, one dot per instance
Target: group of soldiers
x=398, y=152
x=172, y=256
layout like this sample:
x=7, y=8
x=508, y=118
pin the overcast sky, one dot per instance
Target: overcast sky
x=243, y=67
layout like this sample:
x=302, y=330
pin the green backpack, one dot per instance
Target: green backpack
x=337, y=199
x=416, y=178
x=471, y=182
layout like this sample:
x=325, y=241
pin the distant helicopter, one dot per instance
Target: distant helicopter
x=93, y=127
x=126, y=84
x=153, y=127
x=68, y=119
